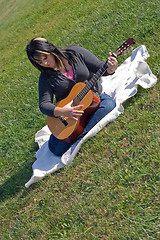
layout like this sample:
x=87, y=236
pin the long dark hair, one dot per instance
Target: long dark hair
x=38, y=48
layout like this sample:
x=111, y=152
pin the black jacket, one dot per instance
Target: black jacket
x=57, y=84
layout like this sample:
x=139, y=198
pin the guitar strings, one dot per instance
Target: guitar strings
x=92, y=81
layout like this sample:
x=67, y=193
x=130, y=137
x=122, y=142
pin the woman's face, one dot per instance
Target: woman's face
x=48, y=61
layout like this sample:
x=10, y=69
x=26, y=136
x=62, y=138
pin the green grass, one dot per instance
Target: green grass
x=111, y=189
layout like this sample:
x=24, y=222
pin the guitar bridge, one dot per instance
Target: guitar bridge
x=63, y=121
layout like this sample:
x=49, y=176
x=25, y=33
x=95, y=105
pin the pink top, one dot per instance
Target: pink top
x=69, y=74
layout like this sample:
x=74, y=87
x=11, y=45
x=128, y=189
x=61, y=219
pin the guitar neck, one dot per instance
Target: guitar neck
x=100, y=72
x=92, y=81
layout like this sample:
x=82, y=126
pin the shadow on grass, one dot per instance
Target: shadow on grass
x=16, y=182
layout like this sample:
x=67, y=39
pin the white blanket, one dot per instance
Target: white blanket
x=120, y=86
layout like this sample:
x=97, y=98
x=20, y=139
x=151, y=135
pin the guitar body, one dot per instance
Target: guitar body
x=83, y=119
x=69, y=129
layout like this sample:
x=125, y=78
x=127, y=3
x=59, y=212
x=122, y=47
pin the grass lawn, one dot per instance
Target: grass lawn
x=111, y=189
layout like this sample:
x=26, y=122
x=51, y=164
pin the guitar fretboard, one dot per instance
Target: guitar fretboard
x=100, y=72
x=92, y=81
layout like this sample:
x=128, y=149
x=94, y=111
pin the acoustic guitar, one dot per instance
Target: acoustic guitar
x=68, y=129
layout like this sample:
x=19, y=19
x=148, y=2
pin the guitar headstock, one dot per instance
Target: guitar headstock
x=123, y=47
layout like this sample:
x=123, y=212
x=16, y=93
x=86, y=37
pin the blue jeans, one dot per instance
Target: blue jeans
x=107, y=104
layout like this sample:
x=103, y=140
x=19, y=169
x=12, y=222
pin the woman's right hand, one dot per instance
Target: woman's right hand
x=68, y=111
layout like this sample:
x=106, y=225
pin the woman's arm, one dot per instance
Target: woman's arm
x=94, y=64
x=45, y=97
x=46, y=102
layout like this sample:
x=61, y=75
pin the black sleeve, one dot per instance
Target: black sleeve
x=45, y=97
x=92, y=62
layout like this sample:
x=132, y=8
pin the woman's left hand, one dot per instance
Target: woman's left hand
x=112, y=64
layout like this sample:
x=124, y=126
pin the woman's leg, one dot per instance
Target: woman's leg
x=107, y=104
x=57, y=146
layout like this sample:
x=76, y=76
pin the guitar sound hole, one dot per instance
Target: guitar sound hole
x=63, y=121
x=76, y=101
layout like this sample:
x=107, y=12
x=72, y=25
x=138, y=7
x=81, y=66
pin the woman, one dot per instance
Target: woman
x=61, y=69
